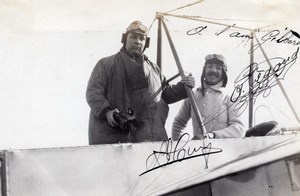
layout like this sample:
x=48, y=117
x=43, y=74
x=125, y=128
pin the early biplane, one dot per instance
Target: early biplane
x=265, y=162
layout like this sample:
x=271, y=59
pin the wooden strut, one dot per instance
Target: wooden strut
x=251, y=96
x=188, y=90
x=279, y=82
x=160, y=15
x=159, y=44
x=251, y=104
x=3, y=173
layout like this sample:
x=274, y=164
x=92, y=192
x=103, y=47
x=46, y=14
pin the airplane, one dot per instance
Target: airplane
x=265, y=162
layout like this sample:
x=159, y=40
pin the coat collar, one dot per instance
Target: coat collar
x=216, y=87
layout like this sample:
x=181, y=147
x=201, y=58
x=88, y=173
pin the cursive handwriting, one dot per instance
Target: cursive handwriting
x=235, y=34
x=263, y=79
x=286, y=37
x=224, y=30
x=295, y=34
x=274, y=36
x=196, y=30
x=170, y=153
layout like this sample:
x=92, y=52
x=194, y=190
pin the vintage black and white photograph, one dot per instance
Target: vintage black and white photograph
x=153, y=97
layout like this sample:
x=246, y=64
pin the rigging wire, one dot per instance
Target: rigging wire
x=215, y=19
x=149, y=29
x=230, y=19
x=279, y=82
x=188, y=5
x=207, y=21
x=283, y=114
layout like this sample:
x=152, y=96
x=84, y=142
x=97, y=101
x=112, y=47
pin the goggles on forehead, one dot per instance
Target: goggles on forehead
x=137, y=27
x=215, y=56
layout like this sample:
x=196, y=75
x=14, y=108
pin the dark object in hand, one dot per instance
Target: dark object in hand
x=125, y=119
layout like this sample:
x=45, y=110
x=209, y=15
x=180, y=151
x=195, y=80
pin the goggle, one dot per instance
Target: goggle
x=137, y=27
x=215, y=56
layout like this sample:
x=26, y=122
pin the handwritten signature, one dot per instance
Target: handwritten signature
x=287, y=36
x=170, y=153
x=263, y=79
x=274, y=36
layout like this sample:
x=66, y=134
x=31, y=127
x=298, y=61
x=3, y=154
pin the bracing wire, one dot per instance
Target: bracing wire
x=215, y=19
x=188, y=5
x=284, y=114
x=149, y=29
x=230, y=19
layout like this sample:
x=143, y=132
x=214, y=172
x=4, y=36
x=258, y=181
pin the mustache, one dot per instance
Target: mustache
x=212, y=73
x=139, y=47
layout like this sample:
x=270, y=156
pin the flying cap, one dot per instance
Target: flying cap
x=219, y=59
x=137, y=27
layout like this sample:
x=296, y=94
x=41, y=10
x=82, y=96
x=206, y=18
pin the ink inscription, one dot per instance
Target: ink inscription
x=264, y=76
x=171, y=152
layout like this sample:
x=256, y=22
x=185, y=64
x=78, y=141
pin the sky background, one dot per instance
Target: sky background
x=49, y=48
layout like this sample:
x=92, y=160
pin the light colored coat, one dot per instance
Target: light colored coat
x=217, y=113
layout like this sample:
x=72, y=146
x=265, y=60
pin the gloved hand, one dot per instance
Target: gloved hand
x=110, y=117
x=188, y=80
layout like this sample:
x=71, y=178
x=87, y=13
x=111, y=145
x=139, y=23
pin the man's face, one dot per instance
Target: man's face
x=135, y=44
x=213, y=73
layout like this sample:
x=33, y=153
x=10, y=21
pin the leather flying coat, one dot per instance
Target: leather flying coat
x=120, y=82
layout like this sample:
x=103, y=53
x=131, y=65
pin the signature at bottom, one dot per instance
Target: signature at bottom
x=175, y=151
